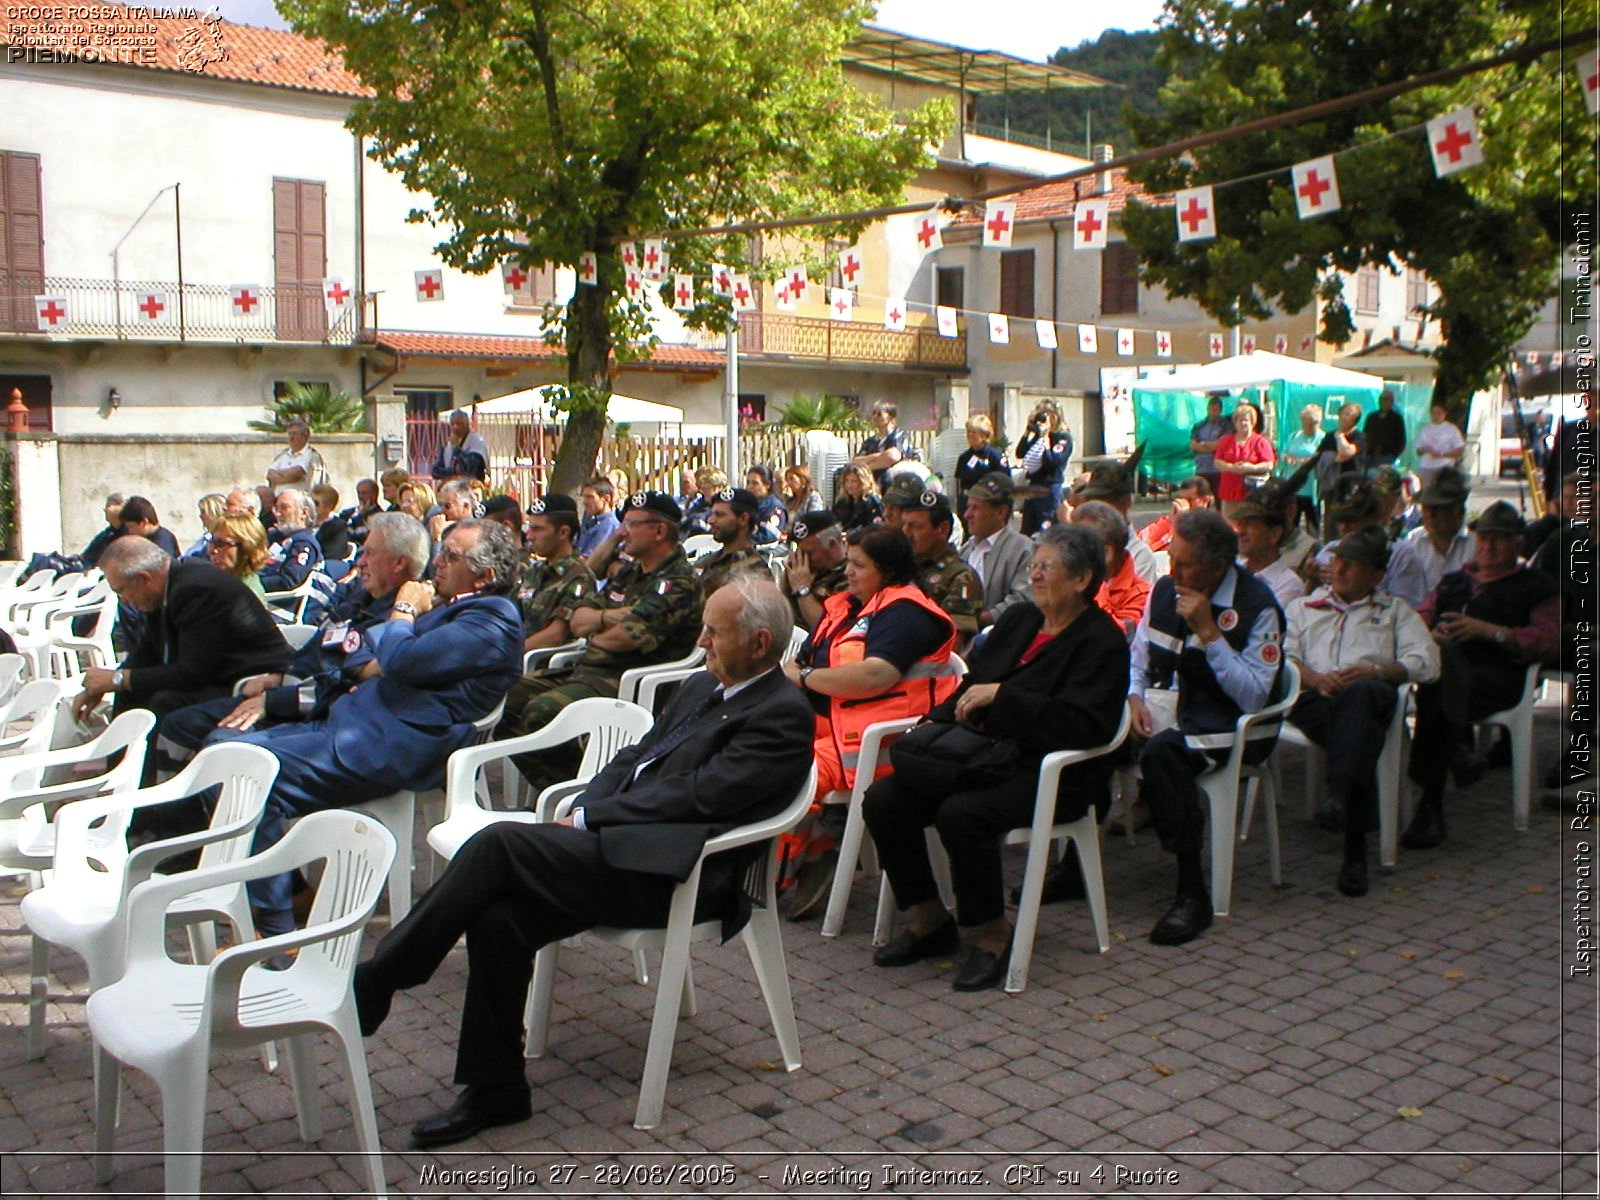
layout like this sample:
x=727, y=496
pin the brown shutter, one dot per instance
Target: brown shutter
x=21, y=240
x=300, y=258
x=1016, y=283
x=1119, y=279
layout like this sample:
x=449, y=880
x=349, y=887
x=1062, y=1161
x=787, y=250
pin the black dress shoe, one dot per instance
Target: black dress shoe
x=1064, y=881
x=479, y=1107
x=1467, y=767
x=372, y=1001
x=912, y=947
x=1330, y=816
x=982, y=970
x=1186, y=920
x=1353, y=877
x=1425, y=831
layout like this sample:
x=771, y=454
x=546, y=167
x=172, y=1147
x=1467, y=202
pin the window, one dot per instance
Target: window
x=1016, y=282
x=752, y=407
x=1119, y=279
x=1416, y=290
x=300, y=259
x=950, y=286
x=21, y=249
x=537, y=289
x=35, y=391
x=1367, y=290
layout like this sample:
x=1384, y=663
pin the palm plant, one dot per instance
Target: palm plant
x=319, y=406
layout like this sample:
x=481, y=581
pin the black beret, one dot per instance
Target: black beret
x=811, y=522
x=737, y=498
x=552, y=503
x=659, y=503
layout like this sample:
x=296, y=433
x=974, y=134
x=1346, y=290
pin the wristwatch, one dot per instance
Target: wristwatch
x=404, y=609
x=116, y=680
x=801, y=591
x=805, y=674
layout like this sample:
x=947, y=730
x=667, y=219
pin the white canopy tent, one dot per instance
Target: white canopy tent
x=1259, y=368
x=534, y=403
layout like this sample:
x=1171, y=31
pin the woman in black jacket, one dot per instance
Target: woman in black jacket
x=1052, y=675
x=1043, y=453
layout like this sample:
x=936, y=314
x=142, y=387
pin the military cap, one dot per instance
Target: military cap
x=1356, y=500
x=554, y=502
x=1264, y=503
x=1449, y=486
x=506, y=504
x=995, y=488
x=1499, y=517
x=903, y=491
x=808, y=523
x=1386, y=478
x=929, y=501
x=1113, y=480
x=658, y=503
x=737, y=498
x=1369, y=545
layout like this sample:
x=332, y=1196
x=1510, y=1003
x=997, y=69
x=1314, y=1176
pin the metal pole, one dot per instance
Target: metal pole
x=730, y=405
x=177, y=218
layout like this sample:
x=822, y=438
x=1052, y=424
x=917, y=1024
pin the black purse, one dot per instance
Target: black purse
x=944, y=757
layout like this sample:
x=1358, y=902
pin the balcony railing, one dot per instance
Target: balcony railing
x=201, y=312
x=852, y=342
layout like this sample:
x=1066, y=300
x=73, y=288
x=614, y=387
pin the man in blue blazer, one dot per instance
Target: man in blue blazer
x=445, y=657
x=731, y=748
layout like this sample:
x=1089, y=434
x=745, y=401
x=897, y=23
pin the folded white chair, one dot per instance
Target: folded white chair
x=164, y=1017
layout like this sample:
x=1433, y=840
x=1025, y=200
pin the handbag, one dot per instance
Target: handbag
x=944, y=757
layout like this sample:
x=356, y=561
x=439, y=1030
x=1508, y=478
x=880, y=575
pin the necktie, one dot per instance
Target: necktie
x=679, y=732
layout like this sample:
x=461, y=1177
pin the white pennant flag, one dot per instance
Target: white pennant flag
x=894, y=315
x=998, y=218
x=152, y=306
x=653, y=259
x=1280, y=344
x=927, y=232
x=1163, y=344
x=588, y=268
x=430, y=285
x=630, y=254
x=1197, y=214
x=683, y=292
x=1090, y=221
x=999, y=329
x=721, y=281
x=633, y=283
x=1454, y=142
x=744, y=296
x=336, y=294
x=1214, y=345
x=946, y=317
x=1316, y=187
x=244, y=298
x=1125, y=342
x=51, y=312
x=1589, y=80
x=1249, y=343
x=784, y=296
x=841, y=304
x=513, y=276
x=1045, y=331
x=798, y=283
x=1088, y=339
x=850, y=268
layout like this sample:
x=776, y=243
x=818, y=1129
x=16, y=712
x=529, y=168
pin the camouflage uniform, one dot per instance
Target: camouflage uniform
x=551, y=589
x=665, y=623
x=827, y=583
x=950, y=584
x=715, y=568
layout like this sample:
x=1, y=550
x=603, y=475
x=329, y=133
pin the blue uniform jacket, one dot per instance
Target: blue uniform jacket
x=300, y=555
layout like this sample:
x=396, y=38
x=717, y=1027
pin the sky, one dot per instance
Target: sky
x=1031, y=29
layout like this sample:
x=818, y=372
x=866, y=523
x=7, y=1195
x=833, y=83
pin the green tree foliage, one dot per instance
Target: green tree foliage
x=319, y=406
x=821, y=412
x=1077, y=118
x=544, y=130
x=1489, y=237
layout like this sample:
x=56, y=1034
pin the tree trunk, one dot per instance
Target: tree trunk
x=589, y=378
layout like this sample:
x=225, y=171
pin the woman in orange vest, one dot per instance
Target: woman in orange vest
x=855, y=668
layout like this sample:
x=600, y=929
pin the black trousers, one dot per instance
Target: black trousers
x=1169, y=767
x=1463, y=693
x=1350, y=727
x=971, y=825
x=512, y=889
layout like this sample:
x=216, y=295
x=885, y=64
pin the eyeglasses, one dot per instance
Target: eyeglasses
x=447, y=555
x=223, y=544
x=1046, y=566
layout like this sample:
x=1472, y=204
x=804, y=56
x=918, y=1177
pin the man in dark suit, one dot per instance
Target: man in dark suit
x=731, y=748
x=440, y=662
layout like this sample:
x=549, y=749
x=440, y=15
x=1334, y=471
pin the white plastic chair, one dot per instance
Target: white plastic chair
x=674, y=988
x=700, y=543
x=609, y=726
x=11, y=668
x=533, y=660
x=289, y=607
x=32, y=588
x=1517, y=720
x=1224, y=792
x=628, y=686
x=397, y=812
x=298, y=635
x=164, y=1017
x=10, y=571
x=82, y=904
x=1083, y=832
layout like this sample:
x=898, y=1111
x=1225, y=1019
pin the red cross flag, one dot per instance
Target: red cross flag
x=1163, y=344
x=633, y=283
x=784, y=296
x=630, y=254
x=850, y=268
x=588, y=267
x=1045, y=331
x=926, y=231
x=513, y=277
x=244, y=298
x=336, y=294
x=1306, y=343
x=841, y=304
x=1197, y=214
x=946, y=317
x=1089, y=222
x=998, y=218
x=152, y=306
x=894, y=315
x=1280, y=344
x=721, y=281
x=51, y=312
x=1088, y=335
x=1531, y=357
x=683, y=292
x=744, y=296
x=1249, y=343
x=654, y=259
x=1589, y=80
x=1214, y=345
x=1454, y=142
x=430, y=284
x=999, y=329
x=798, y=284
x=1556, y=359
x=1316, y=187
x=1125, y=342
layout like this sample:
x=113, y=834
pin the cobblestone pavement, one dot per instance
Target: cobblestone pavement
x=1421, y=1041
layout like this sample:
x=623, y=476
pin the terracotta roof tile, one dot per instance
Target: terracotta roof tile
x=1056, y=201
x=415, y=343
x=213, y=50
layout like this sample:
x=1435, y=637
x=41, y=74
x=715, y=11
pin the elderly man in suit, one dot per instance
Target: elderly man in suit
x=712, y=762
x=440, y=661
x=997, y=554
